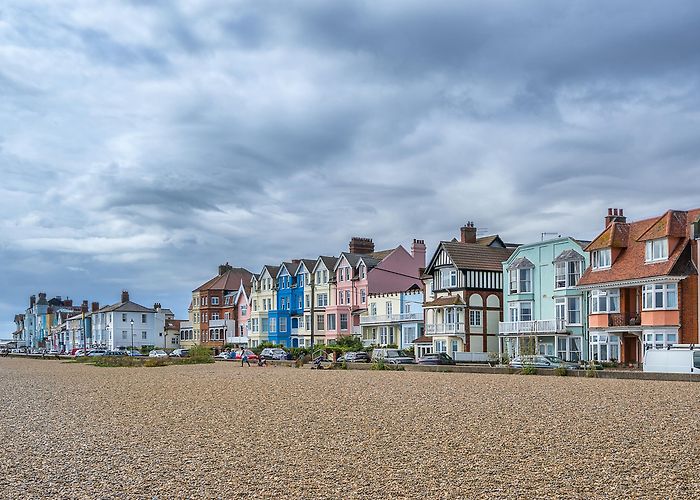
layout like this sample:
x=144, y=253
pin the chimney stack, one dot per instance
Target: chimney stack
x=156, y=306
x=361, y=245
x=32, y=300
x=84, y=306
x=418, y=252
x=125, y=296
x=95, y=306
x=468, y=233
x=615, y=215
x=224, y=268
x=68, y=302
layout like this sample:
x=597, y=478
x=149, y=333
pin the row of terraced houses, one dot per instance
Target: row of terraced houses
x=632, y=287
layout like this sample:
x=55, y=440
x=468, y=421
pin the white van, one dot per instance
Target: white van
x=678, y=359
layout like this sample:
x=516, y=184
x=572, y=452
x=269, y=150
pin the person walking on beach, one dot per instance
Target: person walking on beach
x=244, y=357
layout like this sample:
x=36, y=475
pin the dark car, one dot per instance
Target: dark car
x=355, y=357
x=438, y=358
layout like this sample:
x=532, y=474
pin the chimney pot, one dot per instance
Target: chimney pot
x=361, y=245
x=125, y=296
x=468, y=233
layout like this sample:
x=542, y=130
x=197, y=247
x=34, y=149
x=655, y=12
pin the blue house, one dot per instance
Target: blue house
x=280, y=318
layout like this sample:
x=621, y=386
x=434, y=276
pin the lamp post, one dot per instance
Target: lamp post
x=132, y=336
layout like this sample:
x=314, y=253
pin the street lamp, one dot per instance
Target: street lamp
x=132, y=336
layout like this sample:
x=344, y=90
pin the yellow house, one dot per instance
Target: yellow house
x=262, y=300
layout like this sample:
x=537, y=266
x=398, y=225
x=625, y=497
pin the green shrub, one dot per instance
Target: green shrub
x=528, y=370
x=382, y=366
x=199, y=354
x=153, y=362
x=591, y=371
x=560, y=371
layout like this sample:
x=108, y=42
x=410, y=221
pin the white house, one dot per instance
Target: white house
x=128, y=324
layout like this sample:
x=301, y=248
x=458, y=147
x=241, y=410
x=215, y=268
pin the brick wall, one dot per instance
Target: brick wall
x=689, y=310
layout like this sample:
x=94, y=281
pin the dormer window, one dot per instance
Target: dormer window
x=656, y=250
x=362, y=272
x=602, y=259
x=568, y=267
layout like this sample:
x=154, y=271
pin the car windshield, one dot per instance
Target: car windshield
x=554, y=359
x=393, y=353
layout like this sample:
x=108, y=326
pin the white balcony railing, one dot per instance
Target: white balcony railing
x=221, y=323
x=442, y=328
x=236, y=340
x=391, y=318
x=530, y=327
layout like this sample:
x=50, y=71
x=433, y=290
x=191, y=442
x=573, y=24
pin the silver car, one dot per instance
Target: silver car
x=542, y=361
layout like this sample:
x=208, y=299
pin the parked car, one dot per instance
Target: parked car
x=542, y=361
x=274, y=353
x=115, y=353
x=157, y=353
x=54, y=352
x=355, y=357
x=180, y=353
x=133, y=353
x=96, y=352
x=237, y=355
x=223, y=355
x=436, y=358
x=391, y=356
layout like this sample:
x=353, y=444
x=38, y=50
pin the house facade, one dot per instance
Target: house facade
x=302, y=304
x=321, y=296
x=362, y=271
x=643, y=285
x=209, y=326
x=393, y=319
x=262, y=300
x=544, y=312
x=464, y=295
x=126, y=324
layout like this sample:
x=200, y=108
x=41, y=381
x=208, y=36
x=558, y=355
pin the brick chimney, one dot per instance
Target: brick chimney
x=418, y=252
x=615, y=215
x=224, y=268
x=68, y=302
x=125, y=296
x=95, y=306
x=361, y=245
x=84, y=306
x=468, y=233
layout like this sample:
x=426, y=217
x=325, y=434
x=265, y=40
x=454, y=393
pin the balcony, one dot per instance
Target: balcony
x=390, y=318
x=531, y=327
x=624, y=320
x=221, y=323
x=445, y=328
x=236, y=340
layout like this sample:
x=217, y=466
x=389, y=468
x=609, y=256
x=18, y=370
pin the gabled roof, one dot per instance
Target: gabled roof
x=522, y=263
x=630, y=263
x=230, y=280
x=491, y=241
x=449, y=300
x=473, y=256
x=271, y=270
x=291, y=268
x=127, y=306
x=329, y=262
x=673, y=223
x=568, y=255
x=616, y=235
x=307, y=264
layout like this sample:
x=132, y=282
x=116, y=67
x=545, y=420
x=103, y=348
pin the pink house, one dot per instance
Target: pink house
x=362, y=271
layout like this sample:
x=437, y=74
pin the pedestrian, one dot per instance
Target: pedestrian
x=244, y=358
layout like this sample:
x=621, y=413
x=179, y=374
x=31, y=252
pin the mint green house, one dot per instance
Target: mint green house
x=542, y=309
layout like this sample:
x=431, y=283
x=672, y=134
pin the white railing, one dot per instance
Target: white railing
x=219, y=323
x=528, y=327
x=391, y=318
x=357, y=330
x=236, y=340
x=455, y=328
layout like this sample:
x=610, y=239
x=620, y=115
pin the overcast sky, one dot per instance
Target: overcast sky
x=143, y=143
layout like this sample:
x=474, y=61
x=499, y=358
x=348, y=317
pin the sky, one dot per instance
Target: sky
x=143, y=143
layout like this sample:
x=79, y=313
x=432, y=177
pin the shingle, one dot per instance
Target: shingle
x=476, y=257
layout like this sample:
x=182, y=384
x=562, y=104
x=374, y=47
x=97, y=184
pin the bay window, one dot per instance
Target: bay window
x=660, y=296
x=605, y=347
x=521, y=280
x=449, y=278
x=343, y=321
x=656, y=250
x=569, y=349
x=567, y=273
x=602, y=259
x=659, y=339
x=605, y=301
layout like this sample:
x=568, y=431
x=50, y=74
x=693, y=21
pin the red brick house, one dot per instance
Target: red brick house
x=643, y=284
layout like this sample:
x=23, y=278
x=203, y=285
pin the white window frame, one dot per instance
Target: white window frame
x=659, y=339
x=475, y=318
x=517, y=308
x=650, y=296
x=283, y=324
x=656, y=250
x=605, y=298
x=601, y=259
x=520, y=283
x=215, y=301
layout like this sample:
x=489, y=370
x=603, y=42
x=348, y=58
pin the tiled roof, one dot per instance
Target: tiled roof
x=522, y=263
x=476, y=257
x=630, y=263
x=616, y=235
x=450, y=300
x=329, y=262
x=308, y=264
x=230, y=280
x=423, y=340
x=568, y=255
x=272, y=270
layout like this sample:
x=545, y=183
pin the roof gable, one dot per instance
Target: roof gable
x=672, y=223
x=616, y=235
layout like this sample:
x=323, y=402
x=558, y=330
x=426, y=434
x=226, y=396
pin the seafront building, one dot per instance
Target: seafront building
x=393, y=318
x=464, y=296
x=643, y=285
x=262, y=300
x=544, y=312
